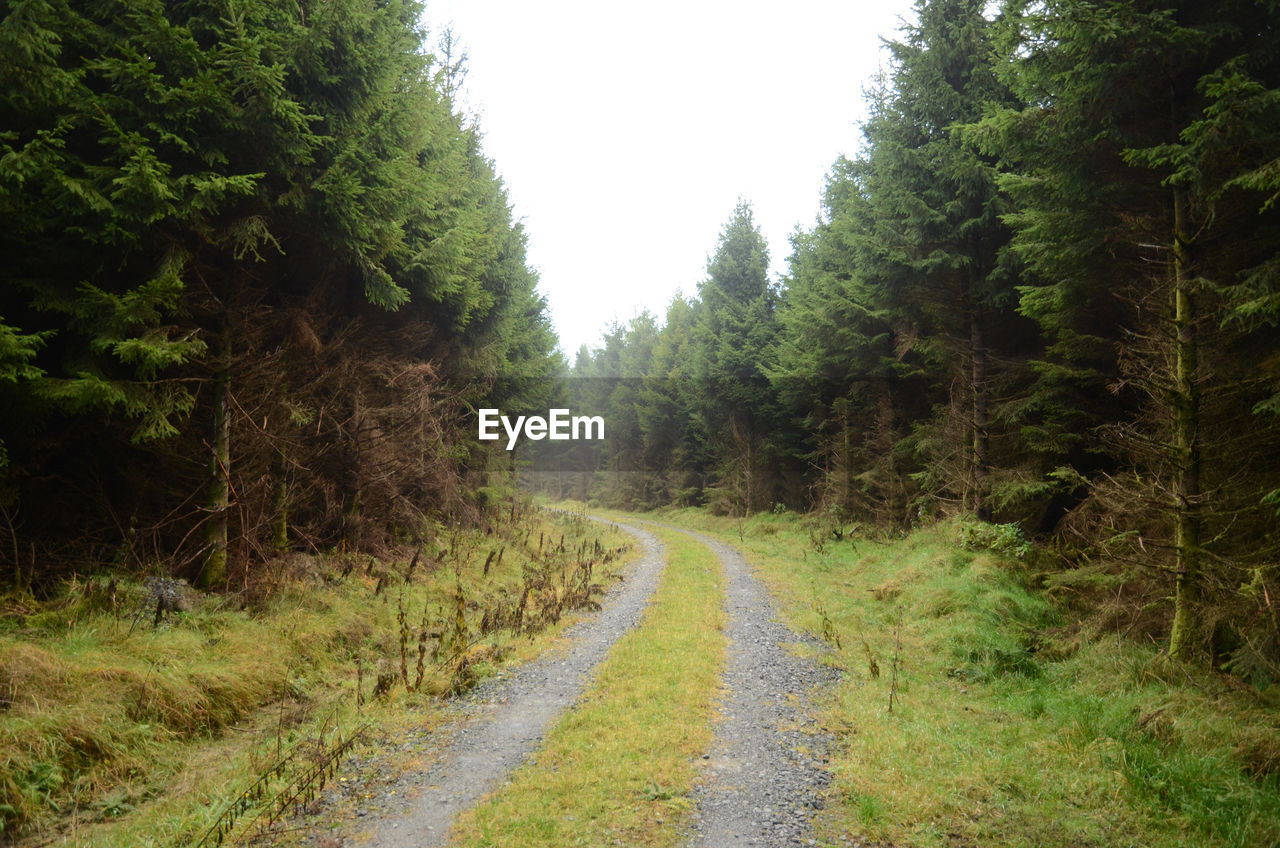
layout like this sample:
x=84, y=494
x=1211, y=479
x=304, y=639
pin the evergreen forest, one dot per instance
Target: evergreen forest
x=258, y=276
x=1045, y=294
x=257, y=273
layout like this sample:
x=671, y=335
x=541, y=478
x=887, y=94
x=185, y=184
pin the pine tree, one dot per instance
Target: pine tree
x=736, y=325
x=1122, y=165
x=934, y=248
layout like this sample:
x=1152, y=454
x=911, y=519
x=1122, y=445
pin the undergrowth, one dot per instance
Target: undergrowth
x=115, y=712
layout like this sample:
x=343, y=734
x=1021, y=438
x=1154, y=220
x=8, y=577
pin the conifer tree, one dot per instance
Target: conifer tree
x=674, y=444
x=1133, y=222
x=736, y=325
x=834, y=367
x=934, y=245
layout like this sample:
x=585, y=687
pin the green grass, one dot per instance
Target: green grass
x=1008, y=728
x=620, y=767
x=118, y=733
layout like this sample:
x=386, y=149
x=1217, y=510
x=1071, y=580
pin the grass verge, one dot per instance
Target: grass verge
x=620, y=767
x=1008, y=726
x=117, y=731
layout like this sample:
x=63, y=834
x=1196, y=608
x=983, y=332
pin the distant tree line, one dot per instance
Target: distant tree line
x=257, y=273
x=1046, y=293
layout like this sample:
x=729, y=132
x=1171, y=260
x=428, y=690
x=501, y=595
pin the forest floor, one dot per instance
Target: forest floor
x=121, y=727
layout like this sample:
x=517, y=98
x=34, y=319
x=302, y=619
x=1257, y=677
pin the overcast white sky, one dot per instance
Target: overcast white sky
x=625, y=133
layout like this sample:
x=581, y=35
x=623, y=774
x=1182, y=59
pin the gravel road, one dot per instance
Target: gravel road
x=766, y=772
x=506, y=719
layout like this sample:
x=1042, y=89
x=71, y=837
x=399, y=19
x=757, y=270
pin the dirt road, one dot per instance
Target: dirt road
x=764, y=774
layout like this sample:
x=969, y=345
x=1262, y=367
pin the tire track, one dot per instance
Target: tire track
x=766, y=770
x=508, y=718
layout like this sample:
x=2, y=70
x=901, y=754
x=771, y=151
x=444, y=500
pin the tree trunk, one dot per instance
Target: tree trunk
x=981, y=421
x=846, y=496
x=280, y=512
x=1186, y=413
x=895, y=509
x=219, y=494
x=353, y=504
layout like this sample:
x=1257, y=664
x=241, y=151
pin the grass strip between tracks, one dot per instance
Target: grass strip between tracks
x=620, y=767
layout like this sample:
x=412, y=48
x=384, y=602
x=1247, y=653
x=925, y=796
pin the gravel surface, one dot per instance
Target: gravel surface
x=766, y=770
x=503, y=720
x=765, y=773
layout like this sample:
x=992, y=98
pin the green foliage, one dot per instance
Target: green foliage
x=1006, y=539
x=17, y=349
x=278, y=200
x=1204, y=789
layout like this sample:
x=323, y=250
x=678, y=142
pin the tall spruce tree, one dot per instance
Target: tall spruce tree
x=834, y=367
x=736, y=325
x=675, y=446
x=934, y=245
x=1134, y=219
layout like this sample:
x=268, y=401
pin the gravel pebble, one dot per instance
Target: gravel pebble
x=765, y=774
